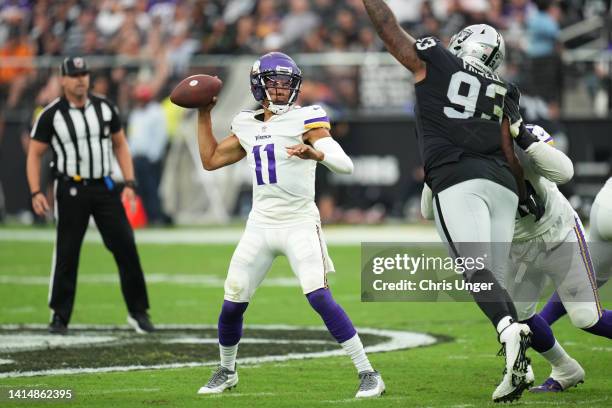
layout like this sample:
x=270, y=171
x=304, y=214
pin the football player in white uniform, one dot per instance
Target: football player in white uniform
x=554, y=247
x=600, y=236
x=282, y=143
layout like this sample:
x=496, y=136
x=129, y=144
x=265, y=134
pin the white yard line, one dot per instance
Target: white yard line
x=29, y=341
x=152, y=278
x=334, y=235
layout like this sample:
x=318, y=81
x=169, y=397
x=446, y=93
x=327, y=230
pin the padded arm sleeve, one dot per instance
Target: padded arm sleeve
x=335, y=158
x=550, y=162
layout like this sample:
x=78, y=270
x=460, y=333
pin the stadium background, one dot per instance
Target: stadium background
x=558, y=53
x=143, y=48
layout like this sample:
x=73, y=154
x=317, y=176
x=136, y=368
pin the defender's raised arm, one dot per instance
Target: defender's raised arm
x=398, y=42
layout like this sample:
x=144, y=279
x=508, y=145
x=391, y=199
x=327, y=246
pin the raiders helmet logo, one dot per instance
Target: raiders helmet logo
x=79, y=63
x=463, y=35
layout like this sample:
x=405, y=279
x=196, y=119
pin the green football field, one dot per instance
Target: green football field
x=185, y=287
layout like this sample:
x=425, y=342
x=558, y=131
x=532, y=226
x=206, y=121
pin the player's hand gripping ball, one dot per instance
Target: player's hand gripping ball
x=196, y=91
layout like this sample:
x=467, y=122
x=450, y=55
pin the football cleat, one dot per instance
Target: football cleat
x=371, y=385
x=567, y=375
x=529, y=376
x=515, y=340
x=222, y=379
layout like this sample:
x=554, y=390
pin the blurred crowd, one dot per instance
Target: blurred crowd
x=154, y=41
x=175, y=30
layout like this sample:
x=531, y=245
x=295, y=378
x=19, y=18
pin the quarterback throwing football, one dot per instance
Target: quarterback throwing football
x=282, y=143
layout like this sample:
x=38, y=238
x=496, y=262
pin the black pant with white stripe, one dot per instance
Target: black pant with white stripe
x=75, y=202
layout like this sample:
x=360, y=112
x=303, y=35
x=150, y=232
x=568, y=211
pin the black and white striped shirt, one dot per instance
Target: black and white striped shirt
x=80, y=137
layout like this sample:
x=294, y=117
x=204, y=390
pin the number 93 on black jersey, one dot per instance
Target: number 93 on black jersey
x=459, y=108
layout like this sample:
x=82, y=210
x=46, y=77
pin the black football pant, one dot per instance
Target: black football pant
x=75, y=202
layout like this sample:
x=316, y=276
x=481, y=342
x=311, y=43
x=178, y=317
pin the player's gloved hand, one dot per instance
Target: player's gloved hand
x=304, y=151
x=532, y=204
x=519, y=132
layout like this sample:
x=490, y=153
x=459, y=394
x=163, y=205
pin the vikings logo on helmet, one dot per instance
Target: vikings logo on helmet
x=274, y=66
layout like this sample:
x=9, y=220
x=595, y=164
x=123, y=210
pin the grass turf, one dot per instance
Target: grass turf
x=463, y=372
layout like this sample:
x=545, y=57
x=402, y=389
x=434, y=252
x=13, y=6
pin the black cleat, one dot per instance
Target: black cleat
x=57, y=325
x=140, y=322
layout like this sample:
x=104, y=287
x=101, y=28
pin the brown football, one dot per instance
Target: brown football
x=196, y=91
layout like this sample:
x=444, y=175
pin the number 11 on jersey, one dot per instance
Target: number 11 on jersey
x=269, y=149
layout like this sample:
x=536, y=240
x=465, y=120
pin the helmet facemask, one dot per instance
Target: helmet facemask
x=275, y=82
x=281, y=91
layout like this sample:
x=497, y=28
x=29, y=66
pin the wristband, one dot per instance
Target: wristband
x=131, y=184
x=34, y=194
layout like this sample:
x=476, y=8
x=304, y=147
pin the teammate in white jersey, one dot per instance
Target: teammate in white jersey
x=601, y=232
x=600, y=236
x=282, y=143
x=551, y=247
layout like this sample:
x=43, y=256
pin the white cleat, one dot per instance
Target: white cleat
x=515, y=340
x=222, y=379
x=529, y=376
x=371, y=385
x=567, y=375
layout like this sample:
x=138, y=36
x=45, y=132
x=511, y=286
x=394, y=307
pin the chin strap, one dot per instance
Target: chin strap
x=280, y=108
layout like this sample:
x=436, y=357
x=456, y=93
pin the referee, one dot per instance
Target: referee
x=83, y=131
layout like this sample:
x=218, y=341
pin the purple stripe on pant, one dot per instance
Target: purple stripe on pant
x=588, y=263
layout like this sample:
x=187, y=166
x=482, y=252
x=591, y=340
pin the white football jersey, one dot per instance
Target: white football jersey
x=557, y=206
x=283, y=186
x=604, y=197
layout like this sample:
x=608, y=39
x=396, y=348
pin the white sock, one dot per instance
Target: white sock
x=354, y=348
x=228, y=356
x=503, y=323
x=556, y=356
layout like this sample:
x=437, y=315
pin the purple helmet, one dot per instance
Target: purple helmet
x=274, y=66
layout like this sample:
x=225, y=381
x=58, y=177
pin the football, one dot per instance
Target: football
x=196, y=91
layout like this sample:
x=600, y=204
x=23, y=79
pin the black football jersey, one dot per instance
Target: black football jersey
x=458, y=119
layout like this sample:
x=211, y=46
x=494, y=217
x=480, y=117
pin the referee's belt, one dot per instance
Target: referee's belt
x=80, y=180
